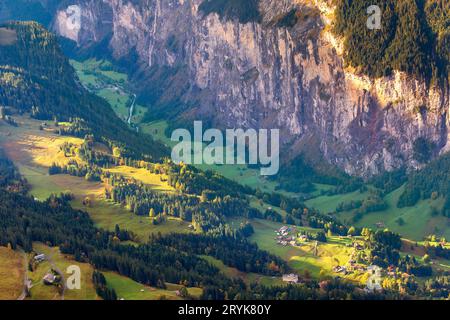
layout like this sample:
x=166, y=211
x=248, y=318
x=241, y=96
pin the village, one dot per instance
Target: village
x=357, y=264
x=287, y=236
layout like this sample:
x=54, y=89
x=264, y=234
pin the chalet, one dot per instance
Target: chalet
x=284, y=229
x=303, y=238
x=49, y=279
x=290, y=278
x=39, y=258
x=340, y=269
x=373, y=269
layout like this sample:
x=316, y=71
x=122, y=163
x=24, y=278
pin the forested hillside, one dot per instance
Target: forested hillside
x=431, y=182
x=36, y=77
x=414, y=37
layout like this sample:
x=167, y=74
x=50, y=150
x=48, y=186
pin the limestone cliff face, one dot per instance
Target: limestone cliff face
x=260, y=75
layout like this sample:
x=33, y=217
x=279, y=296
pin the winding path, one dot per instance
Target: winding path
x=26, y=281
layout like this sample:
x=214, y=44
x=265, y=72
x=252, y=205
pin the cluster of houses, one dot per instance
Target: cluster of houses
x=349, y=268
x=51, y=277
x=352, y=265
x=286, y=236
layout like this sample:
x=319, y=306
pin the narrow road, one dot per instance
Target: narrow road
x=26, y=281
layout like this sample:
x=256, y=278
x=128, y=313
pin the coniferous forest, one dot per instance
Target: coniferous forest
x=413, y=37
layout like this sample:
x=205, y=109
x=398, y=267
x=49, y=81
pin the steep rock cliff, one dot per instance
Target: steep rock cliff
x=265, y=76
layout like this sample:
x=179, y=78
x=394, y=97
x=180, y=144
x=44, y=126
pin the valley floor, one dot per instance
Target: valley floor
x=34, y=150
x=34, y=147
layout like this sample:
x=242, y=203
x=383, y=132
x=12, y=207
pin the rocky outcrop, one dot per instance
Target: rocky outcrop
x=264, y=75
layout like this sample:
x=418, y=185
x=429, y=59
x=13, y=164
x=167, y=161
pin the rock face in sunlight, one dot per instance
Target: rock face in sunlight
x=274, y=73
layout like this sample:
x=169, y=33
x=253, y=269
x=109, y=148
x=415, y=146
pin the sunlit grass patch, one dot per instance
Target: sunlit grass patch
x=12, y=268
x=128, y=289
x=59, y=261
x=156, y=181
x=248, y=278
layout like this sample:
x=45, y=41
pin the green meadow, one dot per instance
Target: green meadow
x=328, y=204
x=100, y=78
x=248, y=278
x=128, y=289
x=414, y=222
x=12, y=269
x=58, y=261
x=240, y=173
x=306, y=259
x=418, y=221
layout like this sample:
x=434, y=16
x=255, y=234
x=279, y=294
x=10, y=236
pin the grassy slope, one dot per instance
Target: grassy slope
x=262, y=206
x=59, y=95
x=248, y=278
x=128, y=289
x=12, y=270
x=143, y=175
x=327, y=204
x=99, y=78
x=33, y=151
x=417, y=249
x=302, y=258
x=418, y=219
x=39, y=291
x=239, y=173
